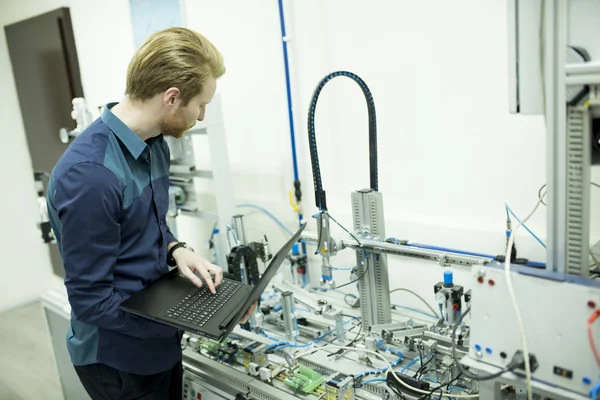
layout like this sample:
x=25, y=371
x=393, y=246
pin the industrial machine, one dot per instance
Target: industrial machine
x=531, y=331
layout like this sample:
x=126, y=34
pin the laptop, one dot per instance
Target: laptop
x=175, y=301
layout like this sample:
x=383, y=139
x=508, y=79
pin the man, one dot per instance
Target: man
x=108, y=199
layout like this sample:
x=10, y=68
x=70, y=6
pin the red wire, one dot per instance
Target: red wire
x=591, y=321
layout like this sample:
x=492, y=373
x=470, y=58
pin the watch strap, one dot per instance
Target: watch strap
x=170, y=260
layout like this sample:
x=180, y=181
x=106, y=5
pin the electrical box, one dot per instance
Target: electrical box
x=194, y=391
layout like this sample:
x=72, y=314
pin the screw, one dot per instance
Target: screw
x=479, y=354
x=481, y=272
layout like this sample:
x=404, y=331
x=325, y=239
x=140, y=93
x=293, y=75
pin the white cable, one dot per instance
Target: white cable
x=389, y=366
x=513, y=297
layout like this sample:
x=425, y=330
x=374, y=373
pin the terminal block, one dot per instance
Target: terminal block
x=340, y=387
x=304, y=379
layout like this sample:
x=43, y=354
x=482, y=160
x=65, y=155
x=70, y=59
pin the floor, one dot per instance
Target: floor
x=27, y=367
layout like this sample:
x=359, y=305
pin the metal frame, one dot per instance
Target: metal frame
x=555, y=31
x=374, y=291
x=443, y=258
x=183, y=173
x=578, y=173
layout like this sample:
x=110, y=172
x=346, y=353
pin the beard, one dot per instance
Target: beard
x=174, y=125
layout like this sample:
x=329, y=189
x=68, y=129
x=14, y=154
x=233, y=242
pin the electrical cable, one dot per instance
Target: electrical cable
x=410, y=364
x=448, y=250
x=591, y=321
x=346, y=295
x=394, y=306
x=373, y=380
x=458, y=388
x=345, y=230
x=395, y=389
x=467, y=253
x=415, y=294
x=282, y=344
x=347, y=302
x=363, y=252
x=423, y=368
x=421, y=361
x=540, y=241
x=265, y=211
x=513, y=298
x=356, y=339
x=542, y=195
x=435, y=389
x=352, y=343
x=391, y=370
x=390, y=350
x=457, y=361
x=230, y=229
x=356, y=280
x=365, y=255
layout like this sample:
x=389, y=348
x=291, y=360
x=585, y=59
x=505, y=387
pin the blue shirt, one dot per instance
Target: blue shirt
x=107, y=198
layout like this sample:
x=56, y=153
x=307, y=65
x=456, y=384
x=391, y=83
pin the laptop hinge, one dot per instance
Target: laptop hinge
x=227, y=320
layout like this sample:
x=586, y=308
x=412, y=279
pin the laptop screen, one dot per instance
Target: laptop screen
x=264, y=280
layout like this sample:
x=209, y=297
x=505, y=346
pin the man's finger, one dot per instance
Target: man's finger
x=207, y=278
x=190, y=275
x=217, y=271
x=249, y=313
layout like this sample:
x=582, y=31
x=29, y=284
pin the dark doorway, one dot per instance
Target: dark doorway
x=44, y=62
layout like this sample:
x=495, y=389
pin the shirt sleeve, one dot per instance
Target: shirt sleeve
x=88, y=201
x=170, y=237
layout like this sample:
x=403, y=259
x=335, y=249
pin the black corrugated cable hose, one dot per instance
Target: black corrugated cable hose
x=320, y=197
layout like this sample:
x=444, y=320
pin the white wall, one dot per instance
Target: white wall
x=450, y=154
x=26, y=270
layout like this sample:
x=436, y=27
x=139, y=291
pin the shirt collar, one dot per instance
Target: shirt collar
x=134, y=144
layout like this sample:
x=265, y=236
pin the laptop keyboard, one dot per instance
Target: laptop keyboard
x=198, y=308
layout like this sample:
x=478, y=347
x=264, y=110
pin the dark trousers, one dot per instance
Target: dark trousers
x=106, y=383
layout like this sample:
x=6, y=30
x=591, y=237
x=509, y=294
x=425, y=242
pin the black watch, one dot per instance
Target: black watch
x=170, y=260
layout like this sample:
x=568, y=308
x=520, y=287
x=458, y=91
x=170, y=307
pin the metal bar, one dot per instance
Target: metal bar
x=555, y=106
x=289, y=318
x=588, y=79
x=301, y=295
x=374, y=284
x=238, y=228
x=578, y=197
x=407, y=251
x=590, y=67
x=513, y=56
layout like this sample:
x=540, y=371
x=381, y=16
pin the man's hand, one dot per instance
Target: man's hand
x=248, y=313
x=188, y=262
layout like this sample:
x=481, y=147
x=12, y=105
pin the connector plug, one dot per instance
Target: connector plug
x=517, y=364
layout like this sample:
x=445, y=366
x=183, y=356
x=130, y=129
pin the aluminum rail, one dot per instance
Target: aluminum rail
x=443, y=258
